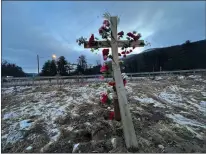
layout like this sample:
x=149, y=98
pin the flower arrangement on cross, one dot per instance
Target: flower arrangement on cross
x=126, y=49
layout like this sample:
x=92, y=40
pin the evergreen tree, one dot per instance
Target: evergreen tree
x=62, y=65
x=9, y=69
x=49, y=68
x=82, y=64
x=53, y=68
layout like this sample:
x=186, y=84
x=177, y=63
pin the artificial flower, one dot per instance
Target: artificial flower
x=106, y=23
x=121, y=33
x=111, y=115
x=105, y=52
x=103, y=98
x=111, y=83
x=104, y=68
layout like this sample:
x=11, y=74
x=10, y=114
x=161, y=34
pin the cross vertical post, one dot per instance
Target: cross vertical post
x=128, y=127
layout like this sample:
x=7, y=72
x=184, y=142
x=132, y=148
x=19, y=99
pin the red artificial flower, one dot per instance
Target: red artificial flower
x=111, y=115
x=111, y=83
x=119, y=54
x=121, y=33
x=103, y=98
x=104, y=68
x=130, y=35
x=124, y=82
x=123, y=52
x=103, y=28
x=137, y=37
x=91, y=40
x=106, y=23
x=105, y=52
x=124, y=56
x=127, y=52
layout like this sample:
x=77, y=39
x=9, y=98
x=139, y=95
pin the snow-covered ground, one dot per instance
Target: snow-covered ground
x=169, y=115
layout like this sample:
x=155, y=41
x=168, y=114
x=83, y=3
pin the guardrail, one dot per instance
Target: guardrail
x=39, y=80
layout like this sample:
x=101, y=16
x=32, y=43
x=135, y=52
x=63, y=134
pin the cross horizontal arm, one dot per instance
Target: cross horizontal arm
x=107, y=44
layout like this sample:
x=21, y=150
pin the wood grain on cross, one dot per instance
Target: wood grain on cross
x=128, y=127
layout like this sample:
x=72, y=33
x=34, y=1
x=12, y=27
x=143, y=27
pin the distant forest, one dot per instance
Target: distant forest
x=180, y=57
x=190, y=55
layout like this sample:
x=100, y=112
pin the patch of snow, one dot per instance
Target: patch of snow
x=160, y=146
x=29, y=148
x=47, y=109
x=114, y=142
x=139, y=108
x=171, y=98
x=9, y=115
x=25, y=124
x=197, y=106
x=203, y=94
x=13, y=135
x=149, y=101
x=87, y=123
x=194, y=76
x=85, y=96
x=158, y=78
x=4, y=136
x=144, y=100
x=184, y=121
x=90, y=113
x=160, y=105
x=194, y=100
x=194, y=132
x=75, y=148
x=203, y=104
x=70, y=128
x=129, y=89
x=180, y=77
x=173, y=88
x=7, y=90
x=55, y=134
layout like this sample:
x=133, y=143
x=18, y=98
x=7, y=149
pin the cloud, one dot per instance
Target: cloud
x=46, y=28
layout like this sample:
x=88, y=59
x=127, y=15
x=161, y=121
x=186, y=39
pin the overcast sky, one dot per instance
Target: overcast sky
x=52, y=27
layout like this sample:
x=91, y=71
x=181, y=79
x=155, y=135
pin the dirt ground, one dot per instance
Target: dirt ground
x=169, y=116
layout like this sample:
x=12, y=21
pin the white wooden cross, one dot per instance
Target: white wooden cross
x=128, y=127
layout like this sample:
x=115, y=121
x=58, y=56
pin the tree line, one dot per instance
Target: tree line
x=190, y=55
x=10, y=69
x=63, y=68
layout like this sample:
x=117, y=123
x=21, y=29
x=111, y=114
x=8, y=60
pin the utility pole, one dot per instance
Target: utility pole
x=38, y=63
